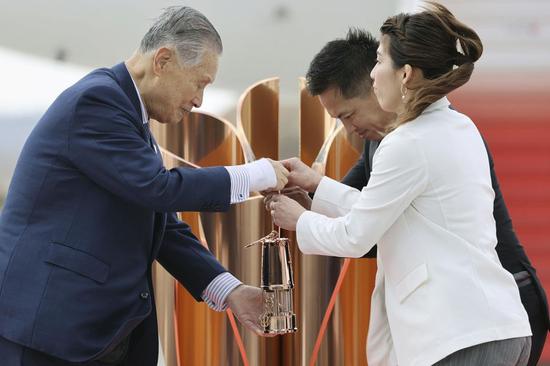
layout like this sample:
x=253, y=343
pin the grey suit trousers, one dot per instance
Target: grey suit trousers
x=507, y=352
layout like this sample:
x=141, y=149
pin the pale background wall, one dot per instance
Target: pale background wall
x=261, y=39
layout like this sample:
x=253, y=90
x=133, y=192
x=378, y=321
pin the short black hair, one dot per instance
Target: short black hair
x=345, y=64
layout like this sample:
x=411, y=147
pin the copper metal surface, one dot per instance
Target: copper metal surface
x=204, y=140
x=203, y=337
x=315, y=124
x=227, y=233
x=344, y=343
x=352, y=310
x=197, y=335
x=165, y=296
x=258, y=117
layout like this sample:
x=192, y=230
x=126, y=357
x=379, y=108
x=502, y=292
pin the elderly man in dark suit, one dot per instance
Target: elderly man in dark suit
x=91, y=206
x=339, y=75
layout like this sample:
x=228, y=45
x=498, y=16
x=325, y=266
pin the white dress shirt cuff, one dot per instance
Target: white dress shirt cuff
x=262, y=175
x=240, y=183
x=216, y=292
x=252, y=177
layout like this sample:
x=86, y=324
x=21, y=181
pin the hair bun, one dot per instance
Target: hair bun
x=461, y=59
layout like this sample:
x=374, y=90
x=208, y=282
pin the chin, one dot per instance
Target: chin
x=173, y=120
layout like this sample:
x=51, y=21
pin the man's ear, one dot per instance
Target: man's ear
x=161, y=59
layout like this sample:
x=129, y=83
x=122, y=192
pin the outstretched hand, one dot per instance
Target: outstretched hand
x=301, y=175
x=281, y=173
x=246, y=303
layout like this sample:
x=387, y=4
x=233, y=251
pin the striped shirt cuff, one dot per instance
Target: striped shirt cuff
x=240, y=183
x=216, y=292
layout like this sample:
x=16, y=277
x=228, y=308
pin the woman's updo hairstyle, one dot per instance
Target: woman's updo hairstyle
x=437, y=43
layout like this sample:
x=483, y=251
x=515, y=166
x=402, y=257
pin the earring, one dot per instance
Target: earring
x=403, y=92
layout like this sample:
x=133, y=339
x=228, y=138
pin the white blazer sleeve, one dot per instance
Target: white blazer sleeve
x=333, y=198
x=400, y=174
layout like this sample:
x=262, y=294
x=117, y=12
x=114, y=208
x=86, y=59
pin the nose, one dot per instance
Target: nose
x=197, y=100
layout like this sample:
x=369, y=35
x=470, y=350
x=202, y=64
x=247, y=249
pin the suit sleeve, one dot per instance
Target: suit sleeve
x=185, y=258
x=105, y=144
x=356, y=176
x=508, y=245
x=509, y=249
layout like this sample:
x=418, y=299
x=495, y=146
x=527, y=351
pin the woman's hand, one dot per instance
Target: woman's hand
x=285, y=211
x=296, y=193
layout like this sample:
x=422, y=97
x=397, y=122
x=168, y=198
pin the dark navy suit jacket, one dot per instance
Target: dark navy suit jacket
x=89, y=208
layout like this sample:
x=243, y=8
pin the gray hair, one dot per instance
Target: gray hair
x=185, y=29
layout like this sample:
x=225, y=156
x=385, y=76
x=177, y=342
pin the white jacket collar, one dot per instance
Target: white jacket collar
x=438, y=104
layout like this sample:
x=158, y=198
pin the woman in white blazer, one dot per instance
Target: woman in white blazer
x=441, y=295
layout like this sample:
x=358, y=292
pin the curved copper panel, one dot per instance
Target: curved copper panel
x=325, y=145
x=316, y=275
x=206, y=336
x=164, y=299
x=201, y=140
x=353, y=305
x=258, y=117
x=315, y=124
x=227, y=233
x=204, y=140
x=164, y=284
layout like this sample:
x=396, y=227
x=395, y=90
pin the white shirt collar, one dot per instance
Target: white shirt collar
x=143, y=111
x=144, y=114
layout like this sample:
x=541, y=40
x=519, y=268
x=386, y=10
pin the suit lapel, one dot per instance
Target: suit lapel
x=127, y=85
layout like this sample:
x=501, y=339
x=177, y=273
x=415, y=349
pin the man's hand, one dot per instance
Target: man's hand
x=296, y=193
x=301, y=175
x=281, y=174
x=285, y=212
x=246, y=302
